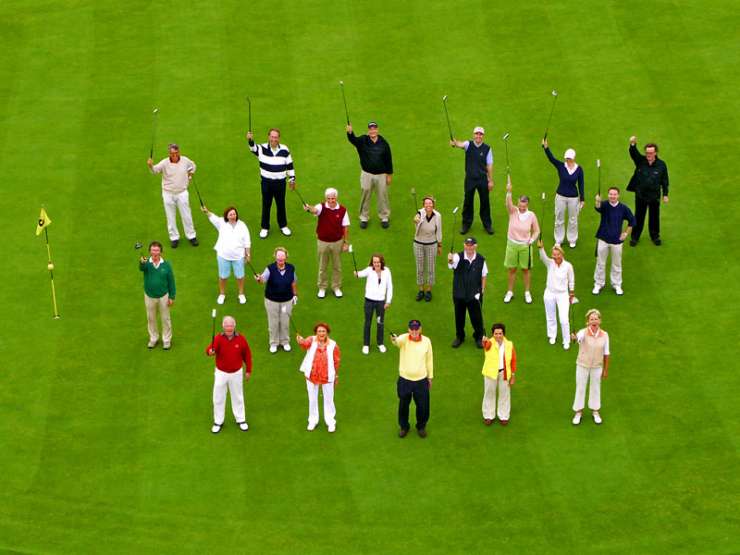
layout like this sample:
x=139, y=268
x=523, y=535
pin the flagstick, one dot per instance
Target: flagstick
x=50, y=266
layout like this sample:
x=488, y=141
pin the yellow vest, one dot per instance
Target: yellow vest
x=490, y=364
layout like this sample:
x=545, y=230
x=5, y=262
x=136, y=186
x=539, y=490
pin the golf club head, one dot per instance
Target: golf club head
x=554, y=92
x=341, y=83
x=444, y=98
x=413, y=190
x=379, y=320
x=138, y=245
x=213, y=313
x=349, y=249
x=155, y=111
x=505, y=137
x=598, y=162
x=454, y=210
x=543, y=196
x=284, y=309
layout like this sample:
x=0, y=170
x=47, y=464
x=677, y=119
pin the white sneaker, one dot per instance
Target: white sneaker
x=216, y=428
x=566, y=346
x=273, y=349
x=286, y=348
x=152, y=344
x=286, y=231
x=338, y=293
x=597, y=418
x=220, y=299
x=242, y=299
x=264, y=233
x=311, y=427
x=576, y=419
x=509, y=295
x=365, y=350
x=552, y=341
x=527, y=297
x=382, y=348
x=618, y=290
x=572, y=244
x=321, y=294
x=332, y=428
x=243, y=426
x=596, y=290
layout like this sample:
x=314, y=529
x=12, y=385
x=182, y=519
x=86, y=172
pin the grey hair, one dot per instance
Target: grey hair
x=228, y=319
x=524, y=198
x=173, y=146
x=330, y=191
x=593, y=312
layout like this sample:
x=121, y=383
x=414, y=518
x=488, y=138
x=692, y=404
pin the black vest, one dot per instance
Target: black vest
x=475, y=163
x=467, y=277
x=279, y=287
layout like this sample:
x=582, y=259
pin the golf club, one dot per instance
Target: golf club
x=138, y=245
x=213, y=331
x=284, y=310
x=554, y=99
x=344, y=99
x=154, y=131
x=447, y=115
x=542, y=223
x=454, y=224
x=413, y=194
x=249, y=108
x=505, y=138
x=598, y=166
x=300, y=196
x=570, y=315
x=251, y=267
x=354, y=262
x=192, y=180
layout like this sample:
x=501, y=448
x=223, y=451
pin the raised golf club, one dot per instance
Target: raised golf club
x=344, y=99
x=454, y=225
x=138, y=245
x=154, y=131
x=200, y=199
x=505, y=138
x=249, y=108
x=354, y=262
x=213, y=330
x=552, y=109
x=598, y=166
x=542, y=218
x=447, y=115
x=413, y=194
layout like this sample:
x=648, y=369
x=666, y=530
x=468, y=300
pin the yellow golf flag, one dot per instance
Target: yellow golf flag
x=43, y=221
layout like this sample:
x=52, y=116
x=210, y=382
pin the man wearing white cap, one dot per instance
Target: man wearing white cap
x=569, y=195
x=478, y=177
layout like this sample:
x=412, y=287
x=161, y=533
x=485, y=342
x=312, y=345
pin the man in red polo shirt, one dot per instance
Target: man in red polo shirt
x=332, y=238
x=232, y=352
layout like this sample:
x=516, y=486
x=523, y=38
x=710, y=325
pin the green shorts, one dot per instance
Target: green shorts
x=517, y=256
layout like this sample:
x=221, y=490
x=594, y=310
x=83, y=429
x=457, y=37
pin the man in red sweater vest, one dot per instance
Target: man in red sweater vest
x=232, y=352
x=332, y=239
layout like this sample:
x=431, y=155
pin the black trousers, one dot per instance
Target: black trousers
x=419, y=391
x=379, y=308
x=472, y=307
x=652, y=208
x=273, y=188
x=469, y=204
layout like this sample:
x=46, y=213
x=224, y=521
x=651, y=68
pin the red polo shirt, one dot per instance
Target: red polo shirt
x=231, y=353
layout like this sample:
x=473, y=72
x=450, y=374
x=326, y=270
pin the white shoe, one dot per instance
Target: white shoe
x=332, y=429
x=575, y=300
x=286, y=231
x=220, y=299
x=286, y=348
x=321, y=294
x=216, y=428
x=552, y=341
x=311, y=427
x=597, y=418
x=576, y=419
x=572, y=244
x=264, y=233
x=243, y=426
x=365, y=350
x=273, y=349
x=596, y=290
x=566, y=346
x=527, y=297
x=618, y=290
x=242, y=299
x=509, y=295
x=382, y=348
x=152, y=344
x=338, y=293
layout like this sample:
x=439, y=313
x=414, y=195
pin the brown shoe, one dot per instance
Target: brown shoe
x=422, y=433
x=488, y=421
x=504, y=422
x=402, y=432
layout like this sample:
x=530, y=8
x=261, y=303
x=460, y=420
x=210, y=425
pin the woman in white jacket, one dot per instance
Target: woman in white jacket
x=378, y=296
x=232, y=247
x=320, y=366
x=559, y=293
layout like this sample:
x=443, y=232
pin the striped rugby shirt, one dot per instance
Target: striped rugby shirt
x=273, y=164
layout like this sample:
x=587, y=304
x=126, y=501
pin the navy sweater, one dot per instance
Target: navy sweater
x=570, y=185
x=610, y=228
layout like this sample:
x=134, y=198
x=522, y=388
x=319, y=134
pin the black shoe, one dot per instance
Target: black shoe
x=363, y=225
x=194, y=241
x=633, y=242
x=479, y=343
x=174, y=243
x=402, y=433
x=385, y=224
x=457, y=342
x=428, y=296
x=422, y=433
x=464, y=229
x=657, y=242
x=420, y=295
x=489, y=230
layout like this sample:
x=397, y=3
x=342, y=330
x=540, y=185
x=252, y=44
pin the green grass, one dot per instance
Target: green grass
x=105, y=446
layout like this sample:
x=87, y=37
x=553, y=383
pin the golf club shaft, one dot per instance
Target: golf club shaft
x=416, y=205
x=251, y=267
x=452, y=235
x=547, y=129
x=300, y=196
x=447, y=115
x=249, y=108
x=200, y=199
x=508, y=167
x=354, y=262
x=154, y=134
x=344, y=99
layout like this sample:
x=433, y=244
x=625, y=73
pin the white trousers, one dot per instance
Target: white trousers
x=278, y=322
x=181, y=202
x=559, y=302
x=152, y=306
x=489, y=397
x=584, y=375
x=561, y=204
x=235, y=383
x=603, y=249
x=330, y=411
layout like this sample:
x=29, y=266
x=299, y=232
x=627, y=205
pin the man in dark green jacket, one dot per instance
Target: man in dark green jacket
x=159, y=294
x=648, y=182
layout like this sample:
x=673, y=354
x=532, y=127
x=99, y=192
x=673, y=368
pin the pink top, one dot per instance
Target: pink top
x=522, y=229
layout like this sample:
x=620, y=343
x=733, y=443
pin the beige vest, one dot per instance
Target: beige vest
x=591, y=350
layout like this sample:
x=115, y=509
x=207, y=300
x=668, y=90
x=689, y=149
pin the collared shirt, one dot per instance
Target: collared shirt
x=456, y=261
x=320, y=207
x=416, y=361
x=560, y=279
x=275, y=163
x=501, y=353
x=489, y=156
x=156, y=264
x=377, y=288
x=232, y=239
x=266, y=274
x=587, y=330
x=175, y=178
x=375, y=157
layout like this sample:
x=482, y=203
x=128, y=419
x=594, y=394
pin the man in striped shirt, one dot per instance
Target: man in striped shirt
x=276, y=165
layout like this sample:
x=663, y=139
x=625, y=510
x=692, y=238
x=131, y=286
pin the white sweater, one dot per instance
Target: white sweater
x=232, y=239
x=375, y=291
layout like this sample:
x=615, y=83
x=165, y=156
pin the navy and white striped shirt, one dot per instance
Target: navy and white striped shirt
x=274, y=164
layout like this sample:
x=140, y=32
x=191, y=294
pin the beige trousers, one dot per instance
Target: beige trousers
x=602, y=252
x=325, y=252
x=152, y=305
x=278, y=321
x=489, y=397
x=368, y=181
x=592, y=378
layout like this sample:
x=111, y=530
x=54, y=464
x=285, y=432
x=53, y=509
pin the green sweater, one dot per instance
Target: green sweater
x=158, y=281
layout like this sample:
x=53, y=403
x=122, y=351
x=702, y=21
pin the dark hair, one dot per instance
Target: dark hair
x=155, y=244
x=229, y=209
x=434, y=203
x=322, y=325
x=377, y=255
x=652, y=145
x=173, y=146
x=501, y=327
x=615, y=188
x=274, y=129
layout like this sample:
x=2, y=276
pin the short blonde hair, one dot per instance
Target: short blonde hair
x=558, y=248
x=593, y=312
x=278, y=249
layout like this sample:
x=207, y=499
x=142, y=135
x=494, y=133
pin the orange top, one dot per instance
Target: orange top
x=320, y=368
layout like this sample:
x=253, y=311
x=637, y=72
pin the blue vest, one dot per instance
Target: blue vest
x=279, y=287
x=475, y=163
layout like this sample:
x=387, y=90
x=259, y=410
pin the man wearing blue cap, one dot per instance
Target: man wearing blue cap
x=377, y=171
x=416, y=371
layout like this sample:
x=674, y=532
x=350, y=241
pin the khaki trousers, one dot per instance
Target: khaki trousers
x=278, y=321
x=561, y=205
x=603, y=250
x=490, y=410
x=367, y=182
x=152, y=305
x=326, y=251
x=592, y=378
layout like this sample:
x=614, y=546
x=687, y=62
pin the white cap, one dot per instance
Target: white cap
x=570, y=153
x=479, y=129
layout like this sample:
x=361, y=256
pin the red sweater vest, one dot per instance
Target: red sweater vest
x=329, y=227
x=231, y=353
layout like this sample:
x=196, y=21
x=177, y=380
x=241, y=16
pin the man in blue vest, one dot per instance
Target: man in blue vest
x=281, y=294
x=468, y=286
x=478, y=177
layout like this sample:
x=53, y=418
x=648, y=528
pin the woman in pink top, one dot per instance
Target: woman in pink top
x=523, y=231
x=320, y=366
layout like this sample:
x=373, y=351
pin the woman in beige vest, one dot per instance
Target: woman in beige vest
x=592, y=365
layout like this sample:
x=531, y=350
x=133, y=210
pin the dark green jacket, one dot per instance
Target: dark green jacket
x=158, y=282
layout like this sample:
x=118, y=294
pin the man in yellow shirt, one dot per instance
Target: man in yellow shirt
x=416, y=370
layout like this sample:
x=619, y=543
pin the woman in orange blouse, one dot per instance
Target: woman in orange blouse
x=321, y=368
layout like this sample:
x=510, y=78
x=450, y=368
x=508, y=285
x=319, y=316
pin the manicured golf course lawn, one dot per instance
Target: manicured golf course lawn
x=105, y=446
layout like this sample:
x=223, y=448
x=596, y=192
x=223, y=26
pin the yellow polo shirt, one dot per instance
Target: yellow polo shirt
x=416, y=361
